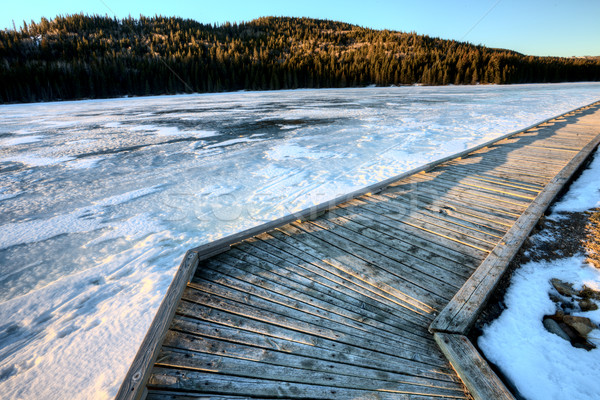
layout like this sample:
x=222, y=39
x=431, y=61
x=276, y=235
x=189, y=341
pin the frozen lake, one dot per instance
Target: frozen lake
x=100, y=199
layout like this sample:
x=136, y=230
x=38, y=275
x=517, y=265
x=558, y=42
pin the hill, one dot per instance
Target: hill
x=79, y=56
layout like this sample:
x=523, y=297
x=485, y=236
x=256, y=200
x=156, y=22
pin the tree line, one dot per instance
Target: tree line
x=81, y=56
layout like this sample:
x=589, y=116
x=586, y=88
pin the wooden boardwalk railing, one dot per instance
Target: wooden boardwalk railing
x=349, y=301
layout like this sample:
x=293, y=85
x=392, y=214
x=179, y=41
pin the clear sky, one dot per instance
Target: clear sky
x=534, y=27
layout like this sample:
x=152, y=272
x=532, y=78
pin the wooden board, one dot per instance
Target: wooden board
x=482, y=382
x=461, y=312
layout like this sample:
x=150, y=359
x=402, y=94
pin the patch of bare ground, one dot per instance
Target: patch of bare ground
x=591, y=242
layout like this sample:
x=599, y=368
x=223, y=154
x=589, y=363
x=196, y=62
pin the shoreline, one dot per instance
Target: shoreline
x=194, y=94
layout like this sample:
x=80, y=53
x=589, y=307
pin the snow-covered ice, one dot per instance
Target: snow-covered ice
x=100, y=199
x=20, y=140
x=540, y=364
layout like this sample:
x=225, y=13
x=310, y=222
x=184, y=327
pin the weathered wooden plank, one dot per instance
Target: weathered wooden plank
x=554, y=146
x=256, y=345
x=460, y=313
x=518, y=170
x=286, y=296
x=420, y=196
x=399, y=289
x=354, y=292
x=549, y=162
x=223, y=384
x=539, y=149
x=512, y=205
x=497, y=180
x=424, y=259
x=580, y=130
x=181, y=395
x=372, y=291
x=479, y=232
x=536, y=175
x=270, y=338
x=492, y=184
x=389, y=258
x=562, y=143
x=258, y=366
x=535, y=138
x=500, y=174
x=527, y=160
x=140, y=368
x=335, y=298
x=268, y=290
x=539, y=137
x=580, y=124
x=521, y=161
x=388, y=226
x=519, y=142
x=299, y=331
x=239, y=354
x=444, y=211
x=216, y=294
x=398, y=275
x=248, y=307
x=456, y=236
x=430, y=236
x=482, y=382
x=418, y=212
x=506, y=194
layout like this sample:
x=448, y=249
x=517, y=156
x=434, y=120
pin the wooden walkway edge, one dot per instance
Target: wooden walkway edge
x=374, y=278
x=462, y=311
x=473, y=370
x=456, y=319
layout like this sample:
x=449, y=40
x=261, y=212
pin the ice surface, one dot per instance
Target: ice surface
x=86, y=163
x=232, y=141
x=286, y=151
x=540, y=364
x=20, y=140
x=84, y=219
x=97, y=213
x=34, y=161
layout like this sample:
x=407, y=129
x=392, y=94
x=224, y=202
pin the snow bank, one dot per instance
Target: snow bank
x=540, y=364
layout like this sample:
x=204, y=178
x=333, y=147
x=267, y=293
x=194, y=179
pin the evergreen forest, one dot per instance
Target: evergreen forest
x=80, y=56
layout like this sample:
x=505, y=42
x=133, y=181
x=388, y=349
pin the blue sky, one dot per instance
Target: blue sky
x=534, y=27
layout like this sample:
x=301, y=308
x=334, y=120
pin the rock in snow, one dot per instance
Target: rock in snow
x=564, y=288
x=553, y=327
x=582, y=325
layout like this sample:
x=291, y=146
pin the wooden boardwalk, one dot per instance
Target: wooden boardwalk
x=345, y=305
